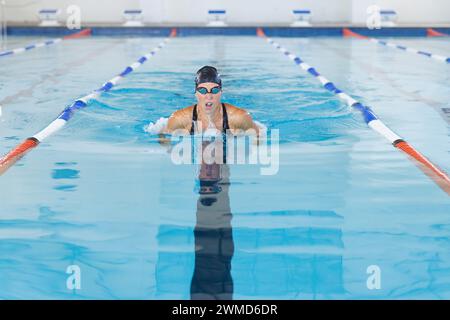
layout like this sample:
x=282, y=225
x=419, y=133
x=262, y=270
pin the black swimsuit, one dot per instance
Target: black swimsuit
x=225, y=127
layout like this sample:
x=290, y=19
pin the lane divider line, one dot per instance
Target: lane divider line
x=434, y=33
x=349, y=33
x=30, y=143
x=82, y=33
x=427, y=167
x=438, y=106
x=58, y=72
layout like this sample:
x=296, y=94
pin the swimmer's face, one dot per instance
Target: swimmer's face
x=209, y=101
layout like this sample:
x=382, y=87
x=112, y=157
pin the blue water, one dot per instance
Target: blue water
x=103, y=195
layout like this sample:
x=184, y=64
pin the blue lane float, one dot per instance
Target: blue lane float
x=427, y=167
x=349, y=33
x=19, y=151
x=29, y=47
x=82, y=33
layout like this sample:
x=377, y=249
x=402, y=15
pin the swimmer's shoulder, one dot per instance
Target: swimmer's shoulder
x=180, y=119
x=239, y=118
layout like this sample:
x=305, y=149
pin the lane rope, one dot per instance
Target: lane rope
x=434, y=33
x=30, y=143
x=349, y=33
x=82, y=33
x=430, y=169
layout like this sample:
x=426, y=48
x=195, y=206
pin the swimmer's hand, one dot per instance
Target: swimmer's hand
x=163, y=139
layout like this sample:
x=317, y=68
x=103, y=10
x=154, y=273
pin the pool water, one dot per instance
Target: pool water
x=104, y=195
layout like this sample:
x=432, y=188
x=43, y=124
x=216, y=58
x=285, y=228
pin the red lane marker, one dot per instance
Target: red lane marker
x=17, y=153
x=260, y=32
x=436, y=174
x=433, y=33
x=349, y=33
x=82, y=33
x=426, y=166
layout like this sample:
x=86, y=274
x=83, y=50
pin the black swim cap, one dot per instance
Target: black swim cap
x=208, y=74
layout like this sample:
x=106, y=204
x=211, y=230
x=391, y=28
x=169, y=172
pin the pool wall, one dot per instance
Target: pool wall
x=225, y=31
x=238, y=13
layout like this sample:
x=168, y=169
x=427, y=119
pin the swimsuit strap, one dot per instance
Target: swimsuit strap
x=225, y=124
x=192, y=132
x=225, y=127
x=194, y=119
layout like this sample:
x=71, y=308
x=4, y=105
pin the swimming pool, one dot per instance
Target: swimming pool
x=102, y=194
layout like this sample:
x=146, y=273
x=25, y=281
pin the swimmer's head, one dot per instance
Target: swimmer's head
x=208, y=74
x=208, y=89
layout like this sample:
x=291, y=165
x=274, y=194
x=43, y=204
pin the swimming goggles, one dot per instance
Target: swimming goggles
x=203, y=90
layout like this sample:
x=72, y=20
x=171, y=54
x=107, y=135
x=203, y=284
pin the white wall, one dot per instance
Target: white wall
x=410, y=12
x=92, y=11
x=240, y=12
x=253, y=12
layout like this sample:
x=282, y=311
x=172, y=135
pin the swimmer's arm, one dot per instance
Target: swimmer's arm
x=163, y=135
x=245, y=122
x=163, y=138
x=179, y=120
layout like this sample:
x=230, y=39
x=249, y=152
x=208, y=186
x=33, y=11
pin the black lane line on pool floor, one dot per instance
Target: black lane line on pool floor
x=441, y=108
x=27, y=92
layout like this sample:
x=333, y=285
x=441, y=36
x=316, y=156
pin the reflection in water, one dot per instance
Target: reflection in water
x=214, y=245
x=63, y=174
x=291, y=253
